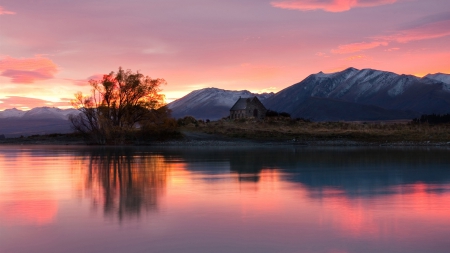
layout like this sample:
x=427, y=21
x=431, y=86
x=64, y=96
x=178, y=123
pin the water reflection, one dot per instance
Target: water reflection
x=224, y=199
x=122, y=182
x=354, y=171
x=128, y=181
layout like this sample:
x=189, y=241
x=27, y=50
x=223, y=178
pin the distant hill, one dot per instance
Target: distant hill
x=15, y=127
x=210, y=103
x=39, y=120
x=38, y=112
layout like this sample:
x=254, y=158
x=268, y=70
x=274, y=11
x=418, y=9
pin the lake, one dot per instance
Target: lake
x=233, y=199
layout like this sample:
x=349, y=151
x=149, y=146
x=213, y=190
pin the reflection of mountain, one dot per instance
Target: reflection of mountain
x=355, y=171
x=123, y=183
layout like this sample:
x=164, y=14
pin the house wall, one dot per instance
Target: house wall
x=238, y=114
x=258, y=106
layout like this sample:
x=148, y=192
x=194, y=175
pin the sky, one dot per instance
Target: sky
x=50, y=49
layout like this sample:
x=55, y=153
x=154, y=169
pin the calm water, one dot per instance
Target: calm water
x=332, y=200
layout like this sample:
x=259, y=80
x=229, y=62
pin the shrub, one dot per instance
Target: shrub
x=285, y=114
x=271, y=113
x=186, y=121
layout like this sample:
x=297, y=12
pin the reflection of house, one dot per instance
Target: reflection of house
x=248, y=108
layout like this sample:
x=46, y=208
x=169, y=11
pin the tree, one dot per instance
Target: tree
x=119, y=104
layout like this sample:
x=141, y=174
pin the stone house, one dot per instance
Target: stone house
x=248, y=108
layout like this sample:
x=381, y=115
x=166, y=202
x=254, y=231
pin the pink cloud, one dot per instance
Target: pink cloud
x=95, y=77
x=27, y=70
x=427, y=31
x=392, y=49
x=356, y=57
x=85, y=82
x=423, y=32
x=357, y=47
x=328, y=5
x=5, y=12
x=27, y=102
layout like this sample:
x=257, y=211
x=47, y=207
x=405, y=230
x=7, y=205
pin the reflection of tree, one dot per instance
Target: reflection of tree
x=124, y=183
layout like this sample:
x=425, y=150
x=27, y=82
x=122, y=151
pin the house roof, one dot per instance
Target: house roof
x=241, y=104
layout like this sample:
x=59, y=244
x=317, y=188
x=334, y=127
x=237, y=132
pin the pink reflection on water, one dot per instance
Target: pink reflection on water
x=395, y=213
x=31, y=187
x=174, y=206
x=281, y=212
x=31, y=212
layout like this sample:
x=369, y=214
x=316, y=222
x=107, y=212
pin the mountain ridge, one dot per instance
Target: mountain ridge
x=44, y=112
x=391, y=95
x=39, y=120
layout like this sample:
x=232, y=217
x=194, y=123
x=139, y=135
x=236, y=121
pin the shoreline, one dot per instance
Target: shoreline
x=198, y=136
x=225, y=143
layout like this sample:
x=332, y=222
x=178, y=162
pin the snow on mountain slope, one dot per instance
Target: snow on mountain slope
x=48, y=112
x=38, y=112
x=11, y=113
x=209, y=103
x=366, y=87
x=352, y=84
x=39, y=120
x=440, y=77
x=445, y=78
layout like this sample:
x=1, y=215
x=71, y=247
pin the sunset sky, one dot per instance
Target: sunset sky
x=49, y=49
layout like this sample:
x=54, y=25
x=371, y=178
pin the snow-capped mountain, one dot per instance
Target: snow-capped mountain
x=39, y=120
x=11, y=113
x=210, y=103
x=49, y=112
x=38, y=112
x=395, y=95
x=350, y=94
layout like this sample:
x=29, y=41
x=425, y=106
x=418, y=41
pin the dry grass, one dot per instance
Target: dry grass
x=281, y=129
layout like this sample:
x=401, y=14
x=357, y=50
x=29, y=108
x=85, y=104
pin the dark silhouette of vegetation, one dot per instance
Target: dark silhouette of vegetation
x=122, y=107
x=433, y=119
x=271, y=113
x=187, y=120
x=302, y=120
x=285, y=114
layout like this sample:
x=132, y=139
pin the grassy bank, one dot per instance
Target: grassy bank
x=276, y=129
x=285, y=129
